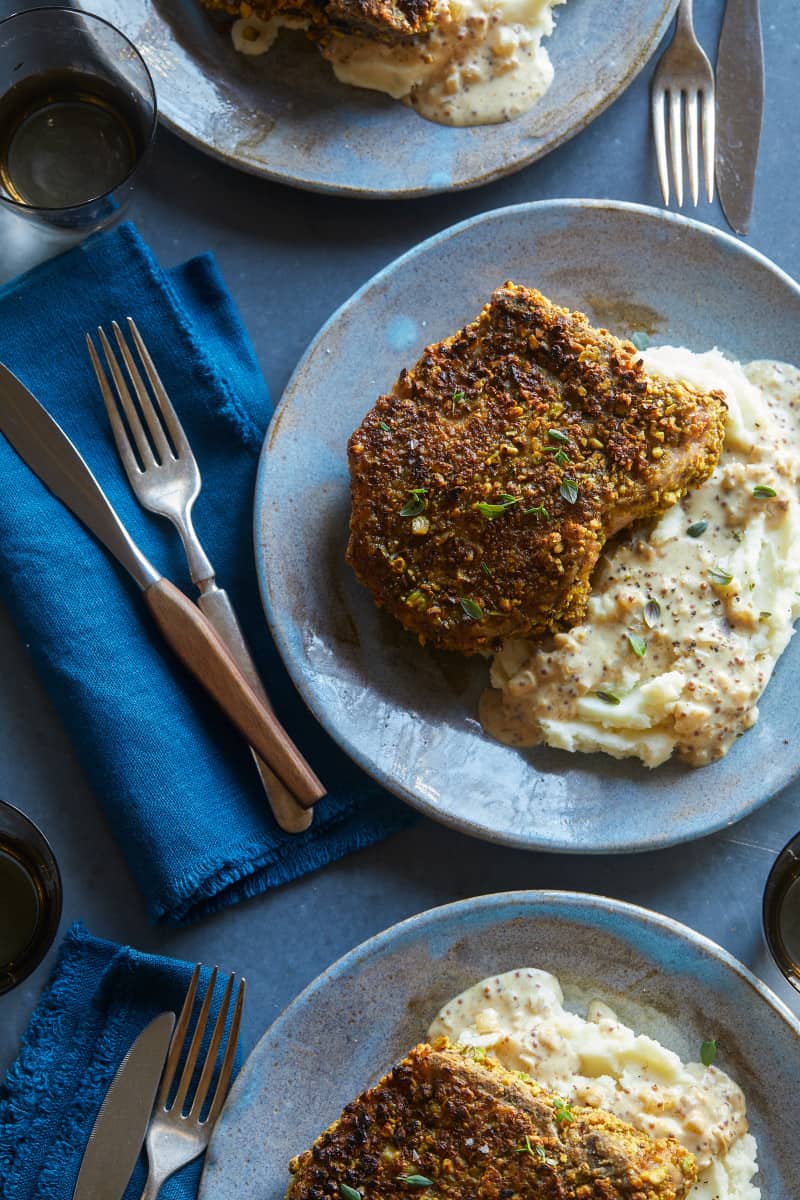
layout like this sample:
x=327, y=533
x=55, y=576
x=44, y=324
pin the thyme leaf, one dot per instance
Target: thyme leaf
x=471, y=609
x=708, y=1052
x=698, y=529
x=720, y=576
x=416, y=505
x=349, y=1193
x=609, y=697
x=637, y=644
x=416, y=1180
x=762, y=492
x=557, y=435
x=569, y=490
x=652, y=612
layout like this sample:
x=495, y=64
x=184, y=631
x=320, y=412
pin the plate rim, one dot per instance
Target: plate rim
x=469, y=826
x=262, y=171
x=531, y=899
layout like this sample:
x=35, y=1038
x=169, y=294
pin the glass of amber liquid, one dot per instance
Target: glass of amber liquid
x=30, y=896
x=77, y=118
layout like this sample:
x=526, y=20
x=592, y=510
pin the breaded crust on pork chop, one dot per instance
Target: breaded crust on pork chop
x=485, y=485
x=383, y=20
x=476, y=1131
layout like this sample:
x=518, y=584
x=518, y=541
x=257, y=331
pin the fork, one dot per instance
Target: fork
x=165, y=478
x=176, y=1135
x=684, y=72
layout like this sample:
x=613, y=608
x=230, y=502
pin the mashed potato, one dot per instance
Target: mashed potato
x=483, y=62
x=519, y=1018
x=687, y=618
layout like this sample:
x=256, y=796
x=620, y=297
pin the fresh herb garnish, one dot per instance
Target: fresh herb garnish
x=637, y=644
x=349, y=1193
x=698, y=529
x=486, y=569
x=416, y=1180
x=527, y=1148
x=538, y=510
x=416, y=505
x=385, y=427
x=472, y=610
x=640, y=339
x=764, y=616
x=490, y=511
x=762, y=492
x=561, y=457
x=609, y=697
x=477, y=1053
x=687, y=1162
x=541, y=1153
x=708, y=1052
x=569, y=490
x=720, y=576
x=564, y=1114
x=557, y=435
x=652, y=612
x=458, y=398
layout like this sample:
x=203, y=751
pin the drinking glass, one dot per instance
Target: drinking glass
x=77, y=118
x=30, y=896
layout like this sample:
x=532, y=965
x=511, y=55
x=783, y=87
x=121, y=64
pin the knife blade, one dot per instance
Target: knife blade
x=740, y=109
x=120, y=1126
x=42, y=444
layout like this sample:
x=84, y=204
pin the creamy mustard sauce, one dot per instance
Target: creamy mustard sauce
x=519, y=1018
x=687, y=618
x=482, y=63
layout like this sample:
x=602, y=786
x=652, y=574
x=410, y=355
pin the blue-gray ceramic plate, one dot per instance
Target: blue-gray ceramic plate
x=368, y=1009
x=284, y=116
x=408, y=714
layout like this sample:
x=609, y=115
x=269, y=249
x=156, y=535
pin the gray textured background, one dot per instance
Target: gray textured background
x=290, y=258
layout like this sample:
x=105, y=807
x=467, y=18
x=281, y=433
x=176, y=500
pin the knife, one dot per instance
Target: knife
x=121, y=1124
x=42, y=444
x=740, y=108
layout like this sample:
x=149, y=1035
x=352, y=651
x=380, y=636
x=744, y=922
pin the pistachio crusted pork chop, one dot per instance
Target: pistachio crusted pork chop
x=485, y=485
x=383, y=20
x=468, y=1130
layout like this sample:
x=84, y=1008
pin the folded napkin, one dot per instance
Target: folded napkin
x=99, y=999
x=177, y=782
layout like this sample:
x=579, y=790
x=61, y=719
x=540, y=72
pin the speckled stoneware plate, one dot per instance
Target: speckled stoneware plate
x=369, y=1008
x=284, y=116
x=408, y=714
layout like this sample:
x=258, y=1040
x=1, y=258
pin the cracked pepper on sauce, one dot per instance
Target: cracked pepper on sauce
x=688, y=617
x=482, y=63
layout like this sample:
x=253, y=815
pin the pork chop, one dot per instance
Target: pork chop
x=485, y=485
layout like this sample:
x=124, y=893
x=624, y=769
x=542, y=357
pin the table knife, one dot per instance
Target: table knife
x=42, y=444
x=740, y=108
x=120, y=1126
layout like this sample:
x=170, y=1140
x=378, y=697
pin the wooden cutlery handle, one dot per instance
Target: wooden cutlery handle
x=201, y=650
x=215, y=604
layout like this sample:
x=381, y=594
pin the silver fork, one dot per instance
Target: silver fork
x=176, y=1135
x=165, y=478
x=684, y=72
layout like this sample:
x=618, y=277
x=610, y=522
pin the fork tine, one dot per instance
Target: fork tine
x=675, y=146
x=134, y=423
x=178, y=1038
x=168, y=413
x=226, y=1070
x=692, y=149
x=213, y=1051
x=660, y=136
x=117, y=427
x=709, y=138
x=194, y=1048
x=151, y=417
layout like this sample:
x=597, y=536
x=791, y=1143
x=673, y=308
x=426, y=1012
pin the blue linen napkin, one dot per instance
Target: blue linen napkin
x=99, y=999
x=177, y=782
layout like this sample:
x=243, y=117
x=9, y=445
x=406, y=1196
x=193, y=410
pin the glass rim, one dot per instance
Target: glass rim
x=20, y=205
x=50, y=917
x=774, y=895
